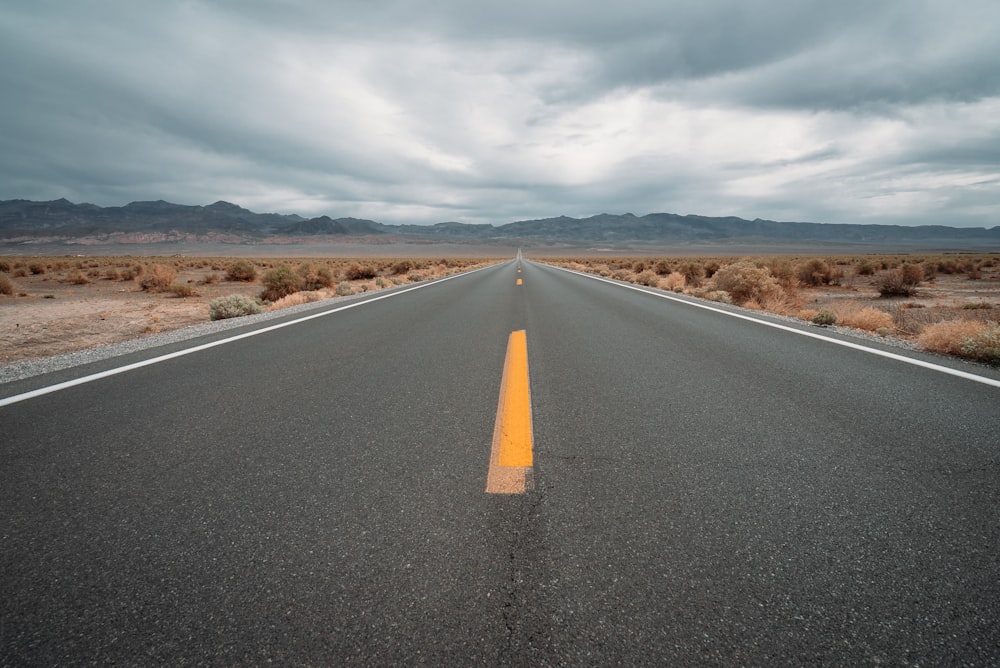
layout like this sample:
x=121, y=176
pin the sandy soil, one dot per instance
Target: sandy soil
x=49, y=314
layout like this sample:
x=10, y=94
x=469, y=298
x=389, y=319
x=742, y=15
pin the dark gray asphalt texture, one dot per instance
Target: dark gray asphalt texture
x=708, y=491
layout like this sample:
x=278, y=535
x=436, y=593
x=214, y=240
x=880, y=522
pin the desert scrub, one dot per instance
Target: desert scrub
x=675, y=281
x=344, y=289
x=693, y=273
x=77, y=277
x=178, y=289
x=900, y=282
x=648, y=278
x=241, y=270
x=315, y=278
x=232, y=306
x=6, y=285
x=359, y=272
x=157, y=278
x=866, y=268
x=401, y=267
x=745, y=281
x=824, y=318
x=815, y=272
x=279, y=282
x=867, y=318
x=966, y=338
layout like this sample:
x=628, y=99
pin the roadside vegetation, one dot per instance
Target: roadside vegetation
x=275, y=282
x=948, y=304
x=944, y=303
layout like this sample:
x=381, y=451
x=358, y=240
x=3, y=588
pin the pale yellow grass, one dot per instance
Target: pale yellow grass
x=966, y=338
x=674, y=281
x=863, y=317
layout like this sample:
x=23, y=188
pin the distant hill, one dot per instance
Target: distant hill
x=62, y=221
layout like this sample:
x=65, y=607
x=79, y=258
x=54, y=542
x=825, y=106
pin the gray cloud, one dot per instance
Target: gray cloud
x=424, y=111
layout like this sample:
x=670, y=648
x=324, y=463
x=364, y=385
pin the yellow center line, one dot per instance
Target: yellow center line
x=519, y=281
x=511, y=455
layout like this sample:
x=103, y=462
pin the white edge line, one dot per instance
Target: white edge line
x=187, y=351
x=847, y=344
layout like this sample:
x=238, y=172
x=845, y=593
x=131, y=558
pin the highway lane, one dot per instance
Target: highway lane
x=707, y=490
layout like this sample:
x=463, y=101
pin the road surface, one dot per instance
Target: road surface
x=703, y=490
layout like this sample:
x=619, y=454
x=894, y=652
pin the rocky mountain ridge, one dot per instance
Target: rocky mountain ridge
x=62, y=221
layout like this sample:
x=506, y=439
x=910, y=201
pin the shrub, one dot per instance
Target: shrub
x=745, y=281
x=344, y=289
x=4, y=266
x=36, y=268
x=294, y=300
x=77, y=277
x=693, y=273
x=661, y=267
x=784, y=272
x=232, y=306
x=401, y=267
x=814, y=272
x=868, y=318
x=315, y=279
x=866, y=268
x=824, y=318
x=6, y=285
x=648, y=278
x=900, y=282
x=675, y=281
x=181, y=290
x=279, y=282
x=241, y=270
x=359, y=272
x=157, y=278
x=966, y=338
x=414, y=277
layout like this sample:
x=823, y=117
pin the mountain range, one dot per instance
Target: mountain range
x=62, y=221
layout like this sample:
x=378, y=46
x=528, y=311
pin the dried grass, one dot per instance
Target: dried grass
x=674, y=281
x=747, y=283
x=965, y=338
x=157, y=278
x=866, y=318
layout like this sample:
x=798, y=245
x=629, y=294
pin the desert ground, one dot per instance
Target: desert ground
x=57, y=304
x=61, y=304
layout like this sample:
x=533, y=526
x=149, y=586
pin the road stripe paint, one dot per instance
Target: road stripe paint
x=187, y=351
x=519, y=281
x=511, y=455
x=846, y=344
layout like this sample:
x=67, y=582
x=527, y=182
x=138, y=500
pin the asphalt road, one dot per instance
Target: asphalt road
x=707, y=490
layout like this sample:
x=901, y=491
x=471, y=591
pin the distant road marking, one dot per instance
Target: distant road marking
x=187, y=351
x=519, y=281
x=511, y=455
x=847, y=344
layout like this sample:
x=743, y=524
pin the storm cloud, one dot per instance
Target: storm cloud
x=422, y=112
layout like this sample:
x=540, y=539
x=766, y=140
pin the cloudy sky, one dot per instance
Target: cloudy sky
x=426, y=111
